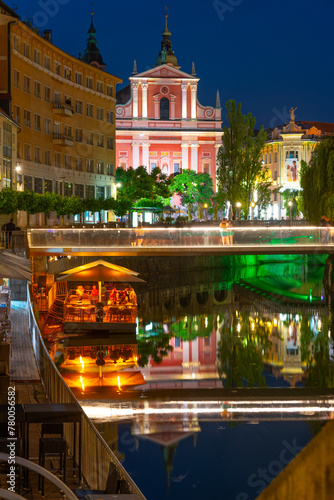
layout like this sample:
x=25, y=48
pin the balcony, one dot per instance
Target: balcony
x=63, y=109
x=62, y=139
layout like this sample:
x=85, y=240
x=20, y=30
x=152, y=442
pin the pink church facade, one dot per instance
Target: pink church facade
x=160, y=122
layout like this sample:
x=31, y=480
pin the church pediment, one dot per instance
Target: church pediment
x=164, y=71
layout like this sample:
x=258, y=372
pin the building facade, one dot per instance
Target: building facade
x=283, y=152
x=160, y=122
x=65, y=108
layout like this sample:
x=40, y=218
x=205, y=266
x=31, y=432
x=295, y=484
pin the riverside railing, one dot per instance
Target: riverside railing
x=95, y=453
x=252, y=239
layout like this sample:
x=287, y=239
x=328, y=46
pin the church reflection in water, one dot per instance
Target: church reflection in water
x=268, y=327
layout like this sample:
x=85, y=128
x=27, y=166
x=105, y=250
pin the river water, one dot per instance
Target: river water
x=263, y=328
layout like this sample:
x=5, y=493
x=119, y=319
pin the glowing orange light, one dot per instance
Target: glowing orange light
x=82, y=384
x=82, y=364
x=119, y=383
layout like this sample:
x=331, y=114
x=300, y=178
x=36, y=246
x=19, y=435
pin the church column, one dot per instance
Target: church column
x=146, y=147
x=184, y=88
x=217, y=146
x=144, y=87
x=185, y=353
x=135, y=99
x=194, y=157
x=185, y=157
x=195, y=353
x=172, y=107
x=156, y=107
x=193, y=88
x=135, y=155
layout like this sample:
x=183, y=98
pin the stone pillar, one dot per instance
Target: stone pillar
x=193, y=88
x=172, y=107
x=146, y=147
x=185, y=157
x=144, y=87
x=135, y=155
x=217, y=146
x=156, y=107
x=185, y=352
x=194, y=157
x=194, y=348
x=135, y=99
x=184, y=88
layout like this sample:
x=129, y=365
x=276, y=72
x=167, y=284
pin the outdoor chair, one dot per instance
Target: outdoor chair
x=72, y=314
x=112, y=485
x=49, y=429
x=113, y=314
x=126, y=315
x=89, y=312
x=52, y=446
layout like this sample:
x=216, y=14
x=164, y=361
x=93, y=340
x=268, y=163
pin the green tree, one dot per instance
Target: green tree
x=317, y=182
x=8, y=201
x=138, y=183
x=30, y=202
x=157, y=347
x=240, y=171
x=291, y=196
x=239, y=353
x=195, y=189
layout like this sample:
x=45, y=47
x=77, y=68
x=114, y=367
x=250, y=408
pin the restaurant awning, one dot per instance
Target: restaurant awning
x=99, y=262
x=100, y=270
x=101, y=273
x=14, y=267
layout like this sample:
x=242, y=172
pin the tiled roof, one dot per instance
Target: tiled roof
x=123, y=95
x=3, y=113
x=326, y=128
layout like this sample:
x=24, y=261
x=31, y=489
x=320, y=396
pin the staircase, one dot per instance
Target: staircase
x=54, y=319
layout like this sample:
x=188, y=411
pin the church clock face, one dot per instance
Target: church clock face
x=164, y=90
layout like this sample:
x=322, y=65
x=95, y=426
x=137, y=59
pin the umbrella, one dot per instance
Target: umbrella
x=101, y=271
x=100, y=262
x=14, y=267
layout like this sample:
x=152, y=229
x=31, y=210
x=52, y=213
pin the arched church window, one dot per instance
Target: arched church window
x=165, y=169
x=164, y=109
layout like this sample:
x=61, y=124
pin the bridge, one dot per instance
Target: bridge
x=170, y=241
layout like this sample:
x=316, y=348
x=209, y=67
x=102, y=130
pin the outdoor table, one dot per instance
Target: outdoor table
x=54, y=412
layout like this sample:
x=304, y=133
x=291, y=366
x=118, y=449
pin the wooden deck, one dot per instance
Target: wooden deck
x=25, y=377
x=22, y=366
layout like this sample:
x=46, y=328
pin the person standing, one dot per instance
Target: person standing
x=9, y=227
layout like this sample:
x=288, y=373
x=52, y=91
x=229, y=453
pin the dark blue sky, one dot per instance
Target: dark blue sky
x=265, y=54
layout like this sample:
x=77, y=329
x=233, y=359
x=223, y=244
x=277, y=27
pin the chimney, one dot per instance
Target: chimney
x=47, y=35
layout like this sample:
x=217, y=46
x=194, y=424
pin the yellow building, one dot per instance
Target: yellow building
x=65, y=107
x=8, y=142
x=286, y=147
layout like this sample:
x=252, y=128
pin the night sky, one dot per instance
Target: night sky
x=265, y=54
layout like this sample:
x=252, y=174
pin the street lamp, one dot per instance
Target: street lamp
x=238, y=205
x=252, y=211
x=206, y=213
x=290, y=205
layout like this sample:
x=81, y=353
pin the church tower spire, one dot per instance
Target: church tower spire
x=166, y=54
x=92, y=54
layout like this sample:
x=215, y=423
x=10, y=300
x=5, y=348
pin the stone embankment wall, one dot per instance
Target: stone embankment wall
x=310, y=475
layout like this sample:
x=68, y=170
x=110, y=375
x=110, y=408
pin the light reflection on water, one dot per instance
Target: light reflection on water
x=267, y=327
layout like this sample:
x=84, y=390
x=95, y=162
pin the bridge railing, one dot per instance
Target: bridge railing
x=60, y=240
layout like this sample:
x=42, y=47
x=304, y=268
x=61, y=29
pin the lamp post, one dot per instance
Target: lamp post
x=252, y=211
x=206, y=211
x=238, y=205
x=290, y=205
